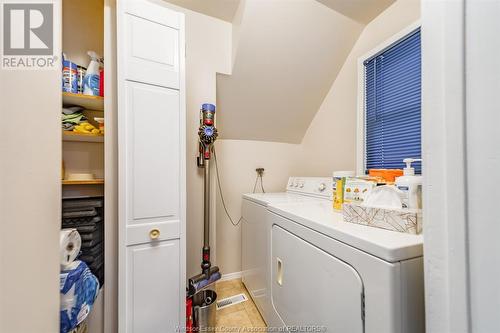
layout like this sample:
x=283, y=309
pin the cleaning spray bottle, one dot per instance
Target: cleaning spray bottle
x=410, y=185
x=92, y=78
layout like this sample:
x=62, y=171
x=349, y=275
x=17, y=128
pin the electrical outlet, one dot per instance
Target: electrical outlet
x=260, y=171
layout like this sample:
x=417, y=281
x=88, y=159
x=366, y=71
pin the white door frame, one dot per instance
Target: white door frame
x=443, y=136
x=461, y=144
x=482, y=119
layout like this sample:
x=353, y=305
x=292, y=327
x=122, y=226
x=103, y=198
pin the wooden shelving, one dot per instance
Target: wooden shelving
x=83, y=182
x=86, y=101
x=81, y=137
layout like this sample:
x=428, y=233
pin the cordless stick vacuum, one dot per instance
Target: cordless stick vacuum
x=207, y=135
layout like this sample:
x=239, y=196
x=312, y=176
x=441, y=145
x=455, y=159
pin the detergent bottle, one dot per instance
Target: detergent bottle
x=69, y=75
x=92, y=77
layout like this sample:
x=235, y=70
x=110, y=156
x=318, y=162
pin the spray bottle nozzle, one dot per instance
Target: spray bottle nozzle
x=93, y=55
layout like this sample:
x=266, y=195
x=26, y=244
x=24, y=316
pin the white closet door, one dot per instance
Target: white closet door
x=151, y=127
x=155, y=286
x=151, y=51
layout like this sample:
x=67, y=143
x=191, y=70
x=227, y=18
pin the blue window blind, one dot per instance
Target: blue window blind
x=393, y=105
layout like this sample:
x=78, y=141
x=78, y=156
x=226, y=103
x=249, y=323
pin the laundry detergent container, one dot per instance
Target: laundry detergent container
x=204, y=309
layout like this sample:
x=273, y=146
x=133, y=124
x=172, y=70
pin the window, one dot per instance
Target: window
x=392, y=105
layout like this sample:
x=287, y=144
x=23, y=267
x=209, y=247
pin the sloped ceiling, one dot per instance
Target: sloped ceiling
x=362, y=11
x=222, y=9
x=287, y=56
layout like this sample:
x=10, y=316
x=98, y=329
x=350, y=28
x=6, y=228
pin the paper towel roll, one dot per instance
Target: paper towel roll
x=69, y=244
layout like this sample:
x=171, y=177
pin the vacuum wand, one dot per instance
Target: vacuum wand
x=205, y=265
x=207, y=134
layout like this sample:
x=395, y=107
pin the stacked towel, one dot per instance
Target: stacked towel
x=87, y=216
x=72, y=116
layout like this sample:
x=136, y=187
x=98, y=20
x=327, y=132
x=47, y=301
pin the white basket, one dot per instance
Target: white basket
x=402, y=220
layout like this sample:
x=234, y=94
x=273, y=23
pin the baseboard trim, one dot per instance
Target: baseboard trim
x=231, y=276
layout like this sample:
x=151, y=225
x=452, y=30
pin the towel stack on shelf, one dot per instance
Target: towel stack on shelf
x=87, y=216
x=72, y=116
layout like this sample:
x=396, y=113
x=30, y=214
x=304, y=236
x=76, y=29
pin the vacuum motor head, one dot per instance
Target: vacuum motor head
x=208, y=134
x=207, y=131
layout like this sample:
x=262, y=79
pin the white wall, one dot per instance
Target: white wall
x=83, y=29
x=288, y=55
x=30, y=197
x=483, y=160
x=237, y=161
x=208, y=51
x=330, y=141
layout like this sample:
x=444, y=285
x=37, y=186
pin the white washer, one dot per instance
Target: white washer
x=256, y=235
x=343, y=276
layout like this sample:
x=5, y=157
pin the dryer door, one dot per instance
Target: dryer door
x=310, y=287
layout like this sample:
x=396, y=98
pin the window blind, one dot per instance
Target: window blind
x=393, y=105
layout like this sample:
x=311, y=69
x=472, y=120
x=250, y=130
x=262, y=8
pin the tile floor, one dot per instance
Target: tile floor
x=242, y=315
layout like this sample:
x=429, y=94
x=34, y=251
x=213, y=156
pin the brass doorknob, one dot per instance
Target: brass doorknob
x=154, y=233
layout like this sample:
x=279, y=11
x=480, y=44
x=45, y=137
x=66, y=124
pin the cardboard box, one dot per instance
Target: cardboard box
x=401, y=220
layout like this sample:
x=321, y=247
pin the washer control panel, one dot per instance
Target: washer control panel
x=315, y=186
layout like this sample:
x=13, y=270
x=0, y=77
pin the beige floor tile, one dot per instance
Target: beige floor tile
x=240, y=315
x=235, y=319
x=249, y=305
x=255, y=317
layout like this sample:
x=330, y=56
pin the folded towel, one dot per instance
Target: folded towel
x=68, y=126
x=73, y=118
x=72, y=109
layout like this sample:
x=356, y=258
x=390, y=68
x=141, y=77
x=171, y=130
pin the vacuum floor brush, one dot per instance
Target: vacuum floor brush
x=207, y=135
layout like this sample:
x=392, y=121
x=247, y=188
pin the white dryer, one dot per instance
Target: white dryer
x=341, y=276
x=256, y=235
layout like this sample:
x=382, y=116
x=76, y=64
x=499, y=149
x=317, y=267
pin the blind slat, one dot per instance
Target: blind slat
x=393, y=105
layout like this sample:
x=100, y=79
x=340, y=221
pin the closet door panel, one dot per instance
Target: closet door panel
x=154, y=62
x=153, y=116
x=153, y=154
x=153, y=287
x=153, y=12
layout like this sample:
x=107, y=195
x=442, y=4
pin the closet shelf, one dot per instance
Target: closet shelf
x=82, y=137
x=86, y=101
x=83, y=182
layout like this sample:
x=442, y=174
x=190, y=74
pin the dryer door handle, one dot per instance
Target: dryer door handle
x=279, y=271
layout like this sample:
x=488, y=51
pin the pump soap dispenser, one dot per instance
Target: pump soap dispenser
x=410, y=185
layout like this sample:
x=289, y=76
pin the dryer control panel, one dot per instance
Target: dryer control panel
x=313, y=186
